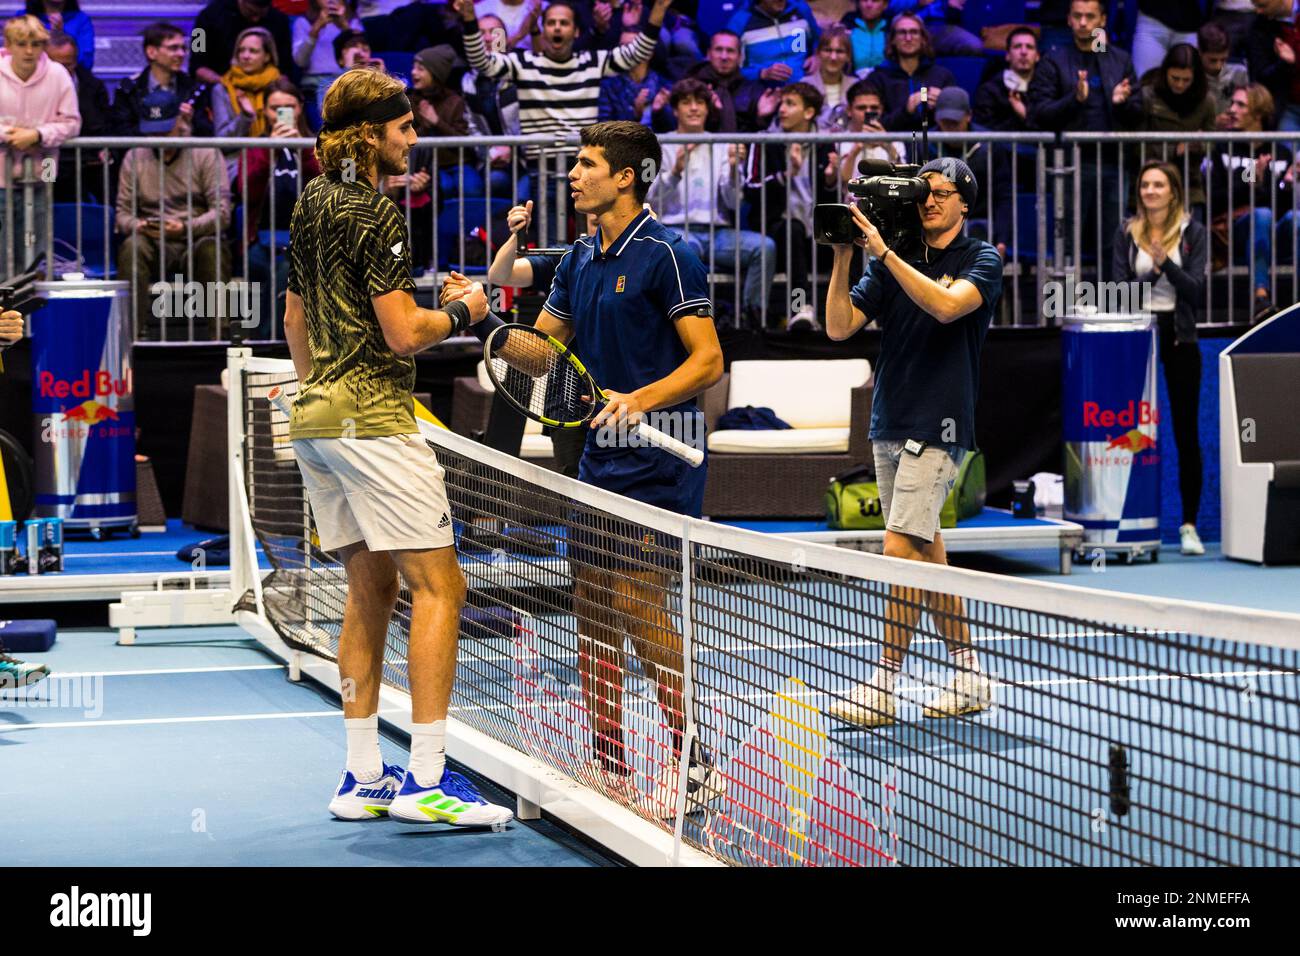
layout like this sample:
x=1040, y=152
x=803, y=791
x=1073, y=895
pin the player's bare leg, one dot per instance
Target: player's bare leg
x=437, y=596
x=368, y=785
x=969, y=690
x=642, y=601
x=602, y=663
x=372, y=595
x=431, y=792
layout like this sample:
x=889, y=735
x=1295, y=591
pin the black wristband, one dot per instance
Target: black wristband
x=884, y=254
x=460, y=317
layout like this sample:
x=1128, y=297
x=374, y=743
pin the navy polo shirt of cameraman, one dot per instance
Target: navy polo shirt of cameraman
x=623, y=305
x=928, y=373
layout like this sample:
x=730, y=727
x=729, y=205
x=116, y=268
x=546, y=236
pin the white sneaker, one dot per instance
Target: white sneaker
x=1191, y=541
x=454, y=801
x=867, y=706
x=619, y=787
x=705, y=785
x=966, y=693
x=803, y=319
x=366, y=801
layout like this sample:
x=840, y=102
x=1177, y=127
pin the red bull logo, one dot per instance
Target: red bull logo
x=1133, y=441
x=103, y=383
x=90, y=412
x=1131, y=415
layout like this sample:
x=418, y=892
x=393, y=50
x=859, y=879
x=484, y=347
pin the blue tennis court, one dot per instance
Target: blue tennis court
x=191, y=748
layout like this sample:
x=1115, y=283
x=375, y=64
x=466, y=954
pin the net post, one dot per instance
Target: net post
x=688, y=695
x=243, y=556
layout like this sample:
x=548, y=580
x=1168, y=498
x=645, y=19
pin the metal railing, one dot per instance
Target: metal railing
x=1053, y=228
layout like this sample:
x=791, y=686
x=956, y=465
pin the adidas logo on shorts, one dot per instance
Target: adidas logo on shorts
x=446, y=520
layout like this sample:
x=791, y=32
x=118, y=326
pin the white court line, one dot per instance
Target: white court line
x=168, y=670
x=919, y=689
x=754, y=647
x=62, y=724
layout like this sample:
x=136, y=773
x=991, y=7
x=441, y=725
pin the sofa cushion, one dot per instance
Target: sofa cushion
x=786, y=441
x=807, y=393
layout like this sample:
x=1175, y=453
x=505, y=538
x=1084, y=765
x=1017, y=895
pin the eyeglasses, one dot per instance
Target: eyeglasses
x=943, y=195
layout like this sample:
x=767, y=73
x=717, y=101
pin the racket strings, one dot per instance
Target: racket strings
x=537, y=377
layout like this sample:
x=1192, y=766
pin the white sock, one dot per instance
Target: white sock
x=885, y=675
x=966, y=660
x=428, y=752
x=364, y=760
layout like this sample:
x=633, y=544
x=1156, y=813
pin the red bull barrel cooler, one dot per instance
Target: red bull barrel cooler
x=1111, y=428
x=82, y=406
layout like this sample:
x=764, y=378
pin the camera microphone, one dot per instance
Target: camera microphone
x=875, y=167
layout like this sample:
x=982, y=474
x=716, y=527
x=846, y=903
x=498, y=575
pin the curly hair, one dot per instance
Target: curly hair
x=353, y=91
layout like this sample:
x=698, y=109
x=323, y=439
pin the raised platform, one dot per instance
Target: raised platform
x=992, y=530
x=102, y=570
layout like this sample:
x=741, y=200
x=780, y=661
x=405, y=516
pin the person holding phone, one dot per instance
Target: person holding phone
x=864, y=112
x=266, y=216
x=313, y=47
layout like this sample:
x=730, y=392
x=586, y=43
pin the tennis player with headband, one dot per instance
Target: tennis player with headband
x=375, y=487
x=633, y=303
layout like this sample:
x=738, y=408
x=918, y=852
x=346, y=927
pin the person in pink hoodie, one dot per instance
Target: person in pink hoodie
x=38, y=111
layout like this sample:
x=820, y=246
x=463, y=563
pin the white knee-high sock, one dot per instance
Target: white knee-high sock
x=364, y=760
x=428, y=752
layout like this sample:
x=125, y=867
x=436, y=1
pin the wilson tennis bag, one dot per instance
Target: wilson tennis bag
x=853, y=498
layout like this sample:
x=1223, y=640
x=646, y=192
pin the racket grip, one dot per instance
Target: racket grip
x=277, y=398
x=654, y=437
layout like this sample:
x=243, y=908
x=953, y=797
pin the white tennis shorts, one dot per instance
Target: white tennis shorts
x=388, y=492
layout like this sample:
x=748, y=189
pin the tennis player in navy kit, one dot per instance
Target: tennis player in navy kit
x=632, y=301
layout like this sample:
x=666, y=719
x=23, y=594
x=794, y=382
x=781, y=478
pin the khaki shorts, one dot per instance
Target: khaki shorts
x=386, y=491
x=913, y=487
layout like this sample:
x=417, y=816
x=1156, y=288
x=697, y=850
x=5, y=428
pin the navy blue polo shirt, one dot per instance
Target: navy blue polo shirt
x=543, y=270
x=623, y=305
x=928, y=373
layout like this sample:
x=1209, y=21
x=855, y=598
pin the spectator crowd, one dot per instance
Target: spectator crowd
x=507, y=68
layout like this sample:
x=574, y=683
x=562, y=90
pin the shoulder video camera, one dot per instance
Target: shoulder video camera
x=887, y=194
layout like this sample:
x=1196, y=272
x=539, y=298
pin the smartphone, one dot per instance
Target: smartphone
x=284, y=116
x=870, y=116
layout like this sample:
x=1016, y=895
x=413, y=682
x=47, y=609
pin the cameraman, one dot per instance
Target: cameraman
x=933, y=304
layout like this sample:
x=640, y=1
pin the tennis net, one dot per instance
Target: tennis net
x=1120, y=731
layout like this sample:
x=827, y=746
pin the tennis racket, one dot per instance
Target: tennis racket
x=538, y=375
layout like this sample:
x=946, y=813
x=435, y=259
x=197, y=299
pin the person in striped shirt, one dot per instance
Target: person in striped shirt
x=558, y=87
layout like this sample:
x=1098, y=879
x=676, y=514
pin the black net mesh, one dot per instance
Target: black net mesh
x=1013, y=734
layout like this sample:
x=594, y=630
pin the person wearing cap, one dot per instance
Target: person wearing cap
x=189, y=210
x=38, y=99
x=952, y=113
x=165, y=47
x=313, y=47
x=933, y=300
x=375, y=486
